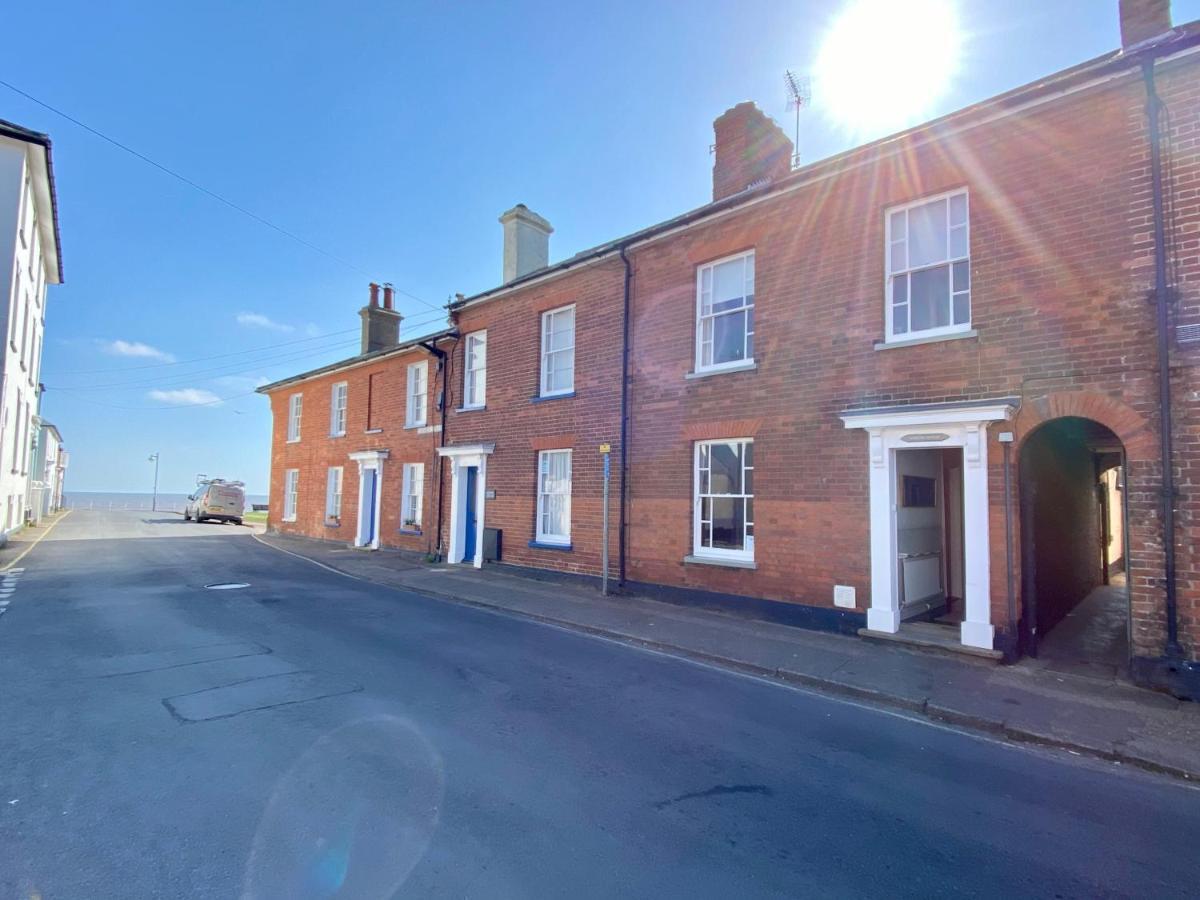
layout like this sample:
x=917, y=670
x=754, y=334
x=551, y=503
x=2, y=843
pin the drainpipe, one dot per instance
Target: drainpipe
x=1161, y=299
x=444, y=359
x=621, y=521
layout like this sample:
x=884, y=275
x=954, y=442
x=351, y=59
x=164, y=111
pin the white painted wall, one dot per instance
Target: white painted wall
x=23, y=278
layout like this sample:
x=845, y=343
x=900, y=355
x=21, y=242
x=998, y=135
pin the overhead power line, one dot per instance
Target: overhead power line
x=202, y=189
x=272, y=360
x=183, y=362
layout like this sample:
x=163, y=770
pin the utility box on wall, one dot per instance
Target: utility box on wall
x=492, y=544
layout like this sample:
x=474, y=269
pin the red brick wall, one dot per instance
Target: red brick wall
x=1059, y=281
x=1061, y=266
x=316, y=451
x=520, y=427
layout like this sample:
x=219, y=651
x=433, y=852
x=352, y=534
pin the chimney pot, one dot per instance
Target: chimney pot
x=526, y=242
x=388, y=295
x=373, y=291
x=749, y=148
x=1143, y=20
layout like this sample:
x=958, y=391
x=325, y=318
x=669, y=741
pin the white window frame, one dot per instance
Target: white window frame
x=890, y=274
x=412, y=496
x=747, y=359
x=416, y=402
x=541, y=535
x=337, y=408
x=546, y=355
x=698, y=549
x=475, y=377
x=291, y=494
x=295, y=413
x=334, y=479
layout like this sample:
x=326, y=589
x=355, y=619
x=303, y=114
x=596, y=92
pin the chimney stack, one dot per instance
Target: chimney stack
x=380, y=324
x=749, y=148
x=526, y=242
x=1143, y=20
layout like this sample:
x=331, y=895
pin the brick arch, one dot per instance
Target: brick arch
x=1126, y=423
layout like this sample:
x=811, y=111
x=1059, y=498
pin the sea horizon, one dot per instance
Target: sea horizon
x=166, y=500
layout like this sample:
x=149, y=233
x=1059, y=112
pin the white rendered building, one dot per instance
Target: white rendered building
x=29, y=260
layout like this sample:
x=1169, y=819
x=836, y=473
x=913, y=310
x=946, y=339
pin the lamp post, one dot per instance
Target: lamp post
x=154, y=500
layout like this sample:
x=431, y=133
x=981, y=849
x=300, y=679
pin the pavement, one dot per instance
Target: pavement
x=1098, y=714
x=312, y=735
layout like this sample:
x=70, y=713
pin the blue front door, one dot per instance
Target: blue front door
x=469, y=537
x=367, y=512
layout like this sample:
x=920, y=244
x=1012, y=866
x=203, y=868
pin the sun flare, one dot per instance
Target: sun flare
x=884, y=64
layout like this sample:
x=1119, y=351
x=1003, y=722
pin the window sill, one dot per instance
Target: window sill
x=293, y=440
x=932, y=339
x=408, y=529
x=329, y=523
x=720, y=561
x=542, y=545
x=341, y=434
x=463, y=409
x=748, y=365
x=428, y=429
x=373, y=431
x=543, y=398
x=291, y=521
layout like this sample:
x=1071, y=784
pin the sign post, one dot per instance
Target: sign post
x=605, y=451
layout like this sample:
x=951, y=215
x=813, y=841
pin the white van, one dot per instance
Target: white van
x=222, y=500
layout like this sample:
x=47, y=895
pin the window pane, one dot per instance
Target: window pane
x=927, y=234
x=930, y=302
x=748, y=456
x=900, y=289
x=897, y=260
x=958, y=241
x=898, y=231
x=728, y=523
x=729, y=283
x=958, y=209
x=726, y=469
x=729, y=337
x=962, y=309
x=962, y=276
x=900, y=320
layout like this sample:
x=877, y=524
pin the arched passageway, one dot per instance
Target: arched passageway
x=1075, y=604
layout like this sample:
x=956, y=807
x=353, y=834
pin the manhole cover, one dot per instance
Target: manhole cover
x=226, y=585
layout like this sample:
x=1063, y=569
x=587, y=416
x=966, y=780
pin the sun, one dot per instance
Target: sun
x=885, y=64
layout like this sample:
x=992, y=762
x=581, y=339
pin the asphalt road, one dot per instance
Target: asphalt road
x=314, y=736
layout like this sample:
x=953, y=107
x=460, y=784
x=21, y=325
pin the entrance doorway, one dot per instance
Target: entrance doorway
x=471, y=473
x=1075, y=602
x=929, y=535
x=370, y=477
x=468, y=497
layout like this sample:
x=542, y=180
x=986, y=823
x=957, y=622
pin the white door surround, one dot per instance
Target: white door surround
x=371, y=460
x=931, y=426
x=461, y=458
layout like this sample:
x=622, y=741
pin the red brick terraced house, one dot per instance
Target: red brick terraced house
x=940, y=388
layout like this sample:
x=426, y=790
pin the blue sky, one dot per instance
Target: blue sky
x=391, y=136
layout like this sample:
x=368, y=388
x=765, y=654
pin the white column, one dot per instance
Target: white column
x=977, y=629
x=453, y=552
x=480, y=499
x=884, y=612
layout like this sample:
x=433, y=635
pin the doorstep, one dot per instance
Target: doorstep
x=931, y=637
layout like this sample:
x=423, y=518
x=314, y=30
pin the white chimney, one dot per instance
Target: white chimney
x=526, y=242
